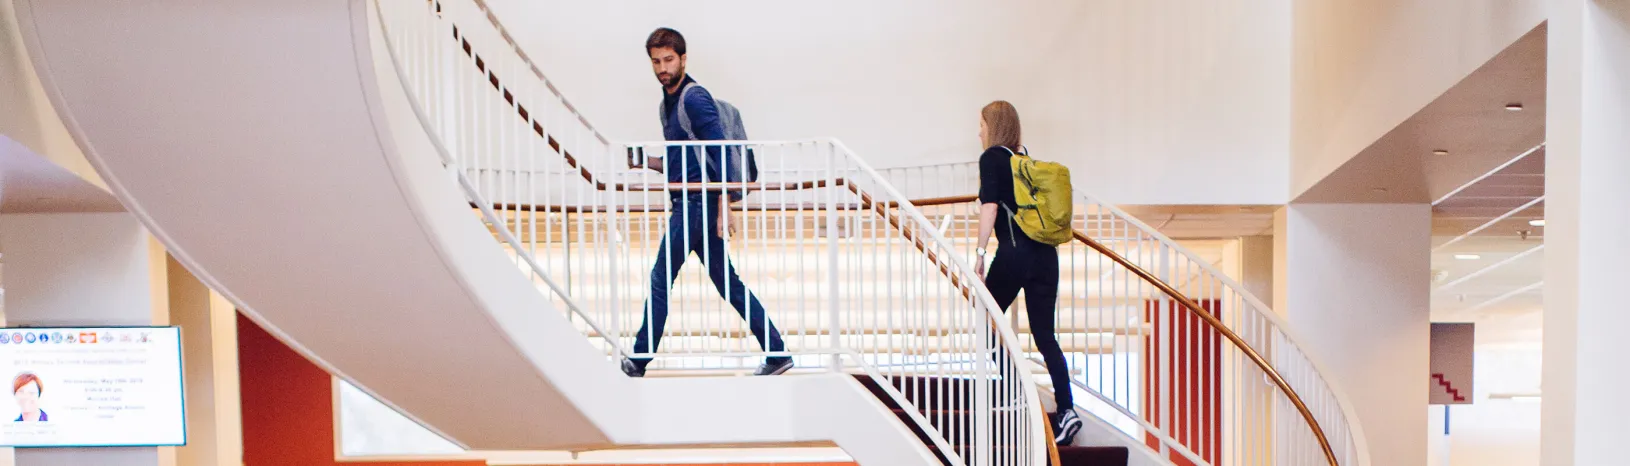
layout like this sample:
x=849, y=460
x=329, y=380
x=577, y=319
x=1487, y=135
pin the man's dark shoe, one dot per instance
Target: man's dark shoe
x=774, y=366
x=632, y=370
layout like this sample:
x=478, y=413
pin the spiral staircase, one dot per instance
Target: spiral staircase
x=321, y=170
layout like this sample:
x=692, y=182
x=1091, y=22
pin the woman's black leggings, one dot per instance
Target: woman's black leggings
x=1033, y=268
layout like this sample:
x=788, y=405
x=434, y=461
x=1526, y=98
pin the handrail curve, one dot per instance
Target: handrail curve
x=912, y=225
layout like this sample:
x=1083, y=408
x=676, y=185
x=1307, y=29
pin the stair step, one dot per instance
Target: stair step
x=929, y=394
x=1093, y=456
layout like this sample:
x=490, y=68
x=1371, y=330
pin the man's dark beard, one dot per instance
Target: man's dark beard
x=672, y=79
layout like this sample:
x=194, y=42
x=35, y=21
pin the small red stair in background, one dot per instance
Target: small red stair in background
x=1450, y=388
x=925, y=392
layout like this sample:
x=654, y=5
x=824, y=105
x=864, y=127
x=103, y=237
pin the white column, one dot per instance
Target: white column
x=1356, y=290
x=1587, y=210
x=84, y=269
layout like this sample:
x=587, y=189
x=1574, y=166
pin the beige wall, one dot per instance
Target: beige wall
x=1364, y=66
x=1257, y=267
x=209, y=339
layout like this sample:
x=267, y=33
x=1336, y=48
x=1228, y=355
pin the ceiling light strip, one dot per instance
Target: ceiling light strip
x=1502, y=166
x=1490, y=267
x=1503, y=297
x=1490, y=223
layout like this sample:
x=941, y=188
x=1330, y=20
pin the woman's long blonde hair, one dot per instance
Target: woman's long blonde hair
x=1002, y=124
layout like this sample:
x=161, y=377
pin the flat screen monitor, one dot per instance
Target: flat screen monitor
x=92, y=387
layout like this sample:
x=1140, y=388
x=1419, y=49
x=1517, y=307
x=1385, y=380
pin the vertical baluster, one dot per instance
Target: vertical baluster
x=763, y=247
x=832, y=254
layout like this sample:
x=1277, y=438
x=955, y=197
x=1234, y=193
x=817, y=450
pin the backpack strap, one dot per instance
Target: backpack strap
x=684, y=118
x=1025, y=151
x=1012, y=217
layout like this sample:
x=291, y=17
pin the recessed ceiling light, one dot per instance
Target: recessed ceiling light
x=1514, y=106
x=1525, y=397
x=1467, y=257
x=1440, y=152
x=1537, y=223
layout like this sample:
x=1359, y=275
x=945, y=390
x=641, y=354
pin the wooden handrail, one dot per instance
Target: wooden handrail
x=1052, y=448
x=1194, y=307
x=1218, y=325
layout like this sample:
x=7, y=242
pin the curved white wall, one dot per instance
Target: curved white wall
x=244, y=134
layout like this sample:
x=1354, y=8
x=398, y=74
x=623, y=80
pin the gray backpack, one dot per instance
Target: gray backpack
x=738, y=160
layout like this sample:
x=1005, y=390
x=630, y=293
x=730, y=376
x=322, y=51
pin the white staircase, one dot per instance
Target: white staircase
x=1226, y=385
x=821, y=240
x=318, y=161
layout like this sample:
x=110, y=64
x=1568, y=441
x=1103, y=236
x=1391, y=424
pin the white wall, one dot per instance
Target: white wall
x=104, y=269
x=1586, y=226
x=76, y=269
x=1364, y=66
x=1493, y=432
x=83, y=269
x=1356, y=287
x=1149, y=101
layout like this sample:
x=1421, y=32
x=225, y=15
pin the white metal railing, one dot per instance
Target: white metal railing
x=853, y=276
x=1161, y=369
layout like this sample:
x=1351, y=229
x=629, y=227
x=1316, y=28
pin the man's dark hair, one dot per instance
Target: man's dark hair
x=665, y=38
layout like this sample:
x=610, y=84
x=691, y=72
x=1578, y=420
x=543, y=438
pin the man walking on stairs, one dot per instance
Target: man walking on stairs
x=690, y=113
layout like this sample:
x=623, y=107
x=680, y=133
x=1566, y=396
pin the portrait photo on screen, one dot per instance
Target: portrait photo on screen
x=92, y=387
x=28, y=388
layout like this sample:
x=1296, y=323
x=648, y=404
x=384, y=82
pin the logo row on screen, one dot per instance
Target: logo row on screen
x=74, y=338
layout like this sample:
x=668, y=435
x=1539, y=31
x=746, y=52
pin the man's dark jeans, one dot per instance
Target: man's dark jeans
x=692, y=228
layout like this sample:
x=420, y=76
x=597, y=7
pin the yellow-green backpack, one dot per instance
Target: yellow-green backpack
x=1044, y=197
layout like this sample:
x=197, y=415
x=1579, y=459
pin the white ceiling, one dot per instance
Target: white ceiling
x=1488, y=260
x=1497, y=278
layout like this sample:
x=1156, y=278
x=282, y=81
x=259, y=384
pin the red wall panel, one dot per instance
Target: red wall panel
x=288, y=406
x=1194, y=393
